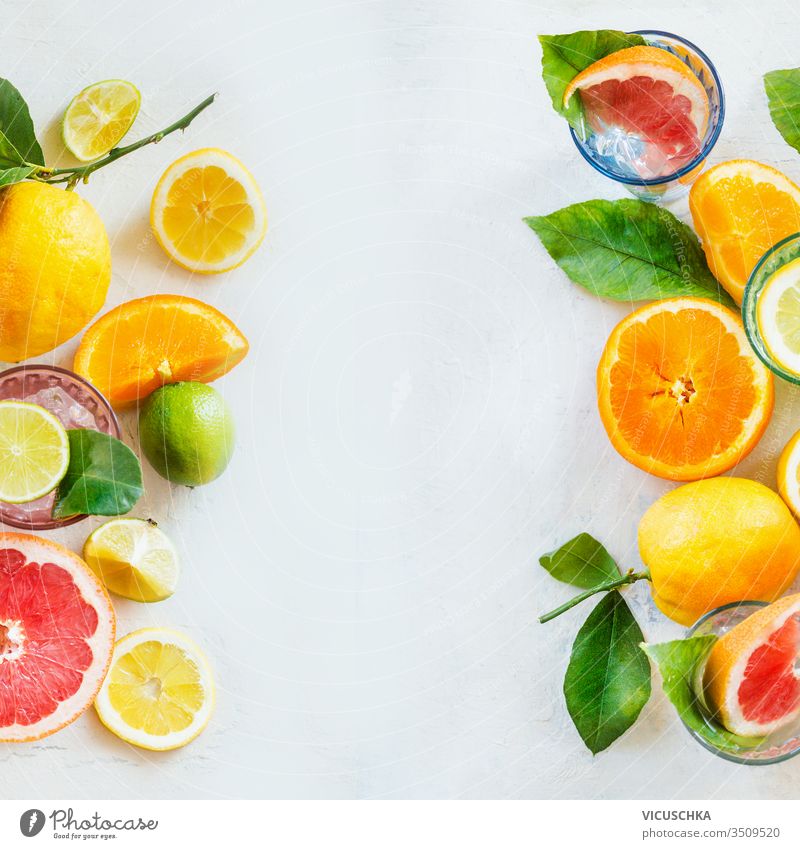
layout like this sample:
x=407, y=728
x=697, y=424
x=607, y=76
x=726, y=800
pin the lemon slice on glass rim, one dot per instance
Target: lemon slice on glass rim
x=207, y=212
x=159, y=691
x=778, y=316
x=99, y=117
x=34, y=452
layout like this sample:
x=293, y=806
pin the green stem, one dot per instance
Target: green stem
x=71, y=176
x=629, y=578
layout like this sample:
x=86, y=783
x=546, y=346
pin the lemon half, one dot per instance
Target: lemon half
x=134, y=559
x=99, y=117
x=159, y=691
x=207, y=212
x=34, y=452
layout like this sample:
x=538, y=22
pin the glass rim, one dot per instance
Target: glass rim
x=732, y=757
x=55, y=524
x=751, y=328
x=704, y=152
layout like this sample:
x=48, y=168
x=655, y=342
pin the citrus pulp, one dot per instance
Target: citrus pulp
x=680, y=392
x=740, y=209
x=749, y=680
x=159, y=692
x=143, y=344
x=56, y=636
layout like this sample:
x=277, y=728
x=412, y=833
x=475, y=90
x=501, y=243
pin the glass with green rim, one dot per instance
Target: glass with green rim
x=778, y=746
x=776, y=257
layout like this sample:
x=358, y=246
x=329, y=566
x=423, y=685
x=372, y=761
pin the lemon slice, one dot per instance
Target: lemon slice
x=98, y=118
x=207, y=212
x=778, y=316
x=159, y=692
x=134, y=559
x=34, y=452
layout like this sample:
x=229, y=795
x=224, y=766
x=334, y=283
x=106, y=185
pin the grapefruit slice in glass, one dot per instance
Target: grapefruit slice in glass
x=649, y=93
x=750, y=681
x=56, y=637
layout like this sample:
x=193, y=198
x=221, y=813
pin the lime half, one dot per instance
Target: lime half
x=34, y=452
x=134, y=559
x=97, y=119
x=778, y=316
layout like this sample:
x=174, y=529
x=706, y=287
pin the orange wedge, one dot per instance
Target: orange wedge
x=680, y=391
x=740, y=209
x=638, y=69
x=749, y=680
x=143, y=344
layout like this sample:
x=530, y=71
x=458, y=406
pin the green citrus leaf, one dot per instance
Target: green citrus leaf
x=582, y=562
x=104, y=477
x=783, y=94
x=17, y=126
x=627, y=250
x=15, y=175
x=680, y=663
x=565, y=56
x=608, y=678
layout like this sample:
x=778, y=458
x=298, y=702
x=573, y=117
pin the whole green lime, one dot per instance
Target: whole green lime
x=186, y=432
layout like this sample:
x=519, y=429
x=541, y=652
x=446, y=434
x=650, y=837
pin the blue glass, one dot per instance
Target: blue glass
x=603, y=151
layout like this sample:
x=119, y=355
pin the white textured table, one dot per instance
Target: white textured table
x=417, y=414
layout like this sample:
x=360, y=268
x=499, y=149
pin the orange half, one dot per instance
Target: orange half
x=681, y=393
x=143, y=344
x=740, y=209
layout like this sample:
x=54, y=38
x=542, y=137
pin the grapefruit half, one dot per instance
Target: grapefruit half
x=648, y=92
x=56, y=637
x=750, y=681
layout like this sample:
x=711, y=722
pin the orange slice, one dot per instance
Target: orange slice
x=143, y=344
x=740, y=209
x=680, y=391
x=749, y=680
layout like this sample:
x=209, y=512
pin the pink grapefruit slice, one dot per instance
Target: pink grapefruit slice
x=56, y=637
x=750, y=680
x=648, y=92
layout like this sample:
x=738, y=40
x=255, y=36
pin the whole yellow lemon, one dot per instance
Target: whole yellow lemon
x=55, y=267
x=718, y=541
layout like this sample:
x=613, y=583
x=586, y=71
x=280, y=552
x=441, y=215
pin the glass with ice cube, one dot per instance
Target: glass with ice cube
x=661, y=170
x=76, y=404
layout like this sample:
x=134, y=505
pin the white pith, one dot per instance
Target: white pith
x=112, y=719
x=100, y=643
